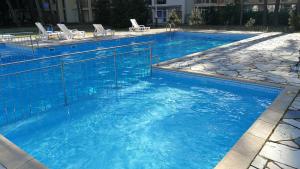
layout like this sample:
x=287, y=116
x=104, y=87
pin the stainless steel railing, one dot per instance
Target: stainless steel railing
x=62, y=71
x=25, y=42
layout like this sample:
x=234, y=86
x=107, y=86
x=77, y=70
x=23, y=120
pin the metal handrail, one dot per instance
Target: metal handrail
x=70, y=62
x=75, y=53
x=60, y=66
x=25, y=41
x=170, y=25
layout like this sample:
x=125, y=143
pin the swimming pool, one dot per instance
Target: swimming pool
x=157, y=119
x=165, y=45
x=169, y=120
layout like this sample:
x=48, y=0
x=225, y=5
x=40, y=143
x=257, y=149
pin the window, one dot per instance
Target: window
x=161, y=1
x=162, y=15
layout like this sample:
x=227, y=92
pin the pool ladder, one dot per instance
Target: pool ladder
x=169, y=27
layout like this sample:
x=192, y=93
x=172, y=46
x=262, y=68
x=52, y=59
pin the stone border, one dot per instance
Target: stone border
x=222, y=77
x=241, y=155
x=249, y=145
x=137, y=34
x=12, y=157
x=202, y=53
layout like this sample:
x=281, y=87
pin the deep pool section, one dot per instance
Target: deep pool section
x=167, y=121
x=165, y=45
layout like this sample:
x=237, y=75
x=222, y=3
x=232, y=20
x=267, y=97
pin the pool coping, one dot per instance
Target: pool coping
x=137, y=34
x=241, y=155
x=13, y=157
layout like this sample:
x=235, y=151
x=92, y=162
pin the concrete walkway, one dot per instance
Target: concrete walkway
x=267, y=57
x=282, y=150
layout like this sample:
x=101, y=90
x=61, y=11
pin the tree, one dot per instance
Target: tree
x=138, y=9
x=294, y=20
x=298, y=7
x=173, y=18
x=13, y=13
x=4, y=14
x=120, y=12
x=79, y=11
x=276, y=10
x=124, y=10
x=265, y=13
x=241, y=12
x=196, y=17
x=39, y=11
x=103, y=14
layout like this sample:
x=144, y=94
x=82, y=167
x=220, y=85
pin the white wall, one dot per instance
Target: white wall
x=71, y=11
x=181, y=3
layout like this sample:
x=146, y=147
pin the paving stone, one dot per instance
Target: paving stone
x=265, y=67
x=292, y=114
x=271, y=165
x=276, y=79
x=296, y=104
x=259, y=162
x=293, y=122
x=282, y=154
x=283, y=166
x=251, y=167
x=2, y=167
x=285, y=132
x=297, y=140
x=289, y=143
x=198, y=67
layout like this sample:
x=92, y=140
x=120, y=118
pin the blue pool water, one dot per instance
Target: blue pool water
x=165, y=45
x=94, y=115
x=167, y=121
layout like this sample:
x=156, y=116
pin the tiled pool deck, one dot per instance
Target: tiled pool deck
x=273, y=141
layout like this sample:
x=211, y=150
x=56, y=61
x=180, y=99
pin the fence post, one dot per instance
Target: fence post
x=151, y=60
x=63, y=83
x=115, y=68
x=31, y=43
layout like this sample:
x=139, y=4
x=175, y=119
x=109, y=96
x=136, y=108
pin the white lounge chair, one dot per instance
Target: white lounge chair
x=7, y=37
x=100, y=31
x=137, y=27
x=70, y=34
x=43, y=33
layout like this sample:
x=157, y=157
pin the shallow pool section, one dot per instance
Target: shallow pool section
x=166, y=121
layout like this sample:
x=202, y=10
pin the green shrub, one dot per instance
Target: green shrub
x=294, y=20
x=196, y=17
x=173, y=18
x=250, y=23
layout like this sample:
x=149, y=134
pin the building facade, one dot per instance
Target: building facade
x=69, y=12
x=162, y=8
x=72, y=11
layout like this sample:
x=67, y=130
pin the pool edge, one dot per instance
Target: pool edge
x=241, y=155
x=13, y=157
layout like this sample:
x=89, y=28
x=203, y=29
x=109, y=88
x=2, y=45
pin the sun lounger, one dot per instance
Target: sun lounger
x=137, y=27
x=100, y=31
x=43, y=33
x=70, y=34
